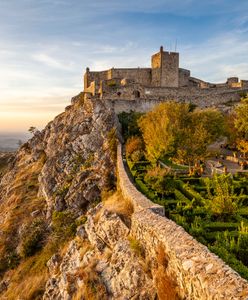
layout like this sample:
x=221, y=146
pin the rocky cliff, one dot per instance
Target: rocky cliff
x=63, y=233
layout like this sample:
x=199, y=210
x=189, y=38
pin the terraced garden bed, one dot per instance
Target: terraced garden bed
x=188, y=202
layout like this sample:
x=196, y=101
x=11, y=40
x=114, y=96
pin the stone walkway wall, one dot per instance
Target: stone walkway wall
x=199, y=273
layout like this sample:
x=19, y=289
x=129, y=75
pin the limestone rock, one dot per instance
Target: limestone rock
x=116, y=267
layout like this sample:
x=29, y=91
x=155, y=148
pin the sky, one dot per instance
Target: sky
x=46, y=45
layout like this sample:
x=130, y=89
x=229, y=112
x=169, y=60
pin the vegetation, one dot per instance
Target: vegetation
x=32, y=238
x=214, y=210
x=129, y=122
x=172, y=129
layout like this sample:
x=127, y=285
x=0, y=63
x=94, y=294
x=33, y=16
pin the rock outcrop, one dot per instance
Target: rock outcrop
x=101, y=264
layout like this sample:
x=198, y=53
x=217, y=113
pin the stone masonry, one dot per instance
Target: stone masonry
x=163, y=81
x=199, y=273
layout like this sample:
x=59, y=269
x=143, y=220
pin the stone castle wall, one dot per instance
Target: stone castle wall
x=170, y=69
x=140, y=75
x=150, y=97
x=199, y=273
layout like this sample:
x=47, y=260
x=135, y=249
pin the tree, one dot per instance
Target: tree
x=241, y=126
x=129, y=122
x=33, y=130
x=135, y=148
x=222, y=200
x=172, y=129
x=161, y=129
x=242, y=146
x=241, y=119
x=204, y=127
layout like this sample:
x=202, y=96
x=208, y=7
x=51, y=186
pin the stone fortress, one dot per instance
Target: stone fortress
x=163, y=81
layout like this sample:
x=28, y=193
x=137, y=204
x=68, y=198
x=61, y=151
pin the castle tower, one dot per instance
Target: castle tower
x=165, y=69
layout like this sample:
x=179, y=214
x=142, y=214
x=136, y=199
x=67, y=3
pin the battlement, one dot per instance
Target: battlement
x=163, y=76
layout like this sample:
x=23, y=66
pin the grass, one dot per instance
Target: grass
x=169, y=163
x=165, y=285
x=136, y=246
x=117, y=204
x=21, y=201
x=92, y=288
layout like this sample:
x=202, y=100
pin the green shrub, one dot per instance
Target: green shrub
x=145, y=190
x=180, y=196
x=221, y=226
x=32, y=238
x=129, y=124
x=63, y=225
x=231, y=260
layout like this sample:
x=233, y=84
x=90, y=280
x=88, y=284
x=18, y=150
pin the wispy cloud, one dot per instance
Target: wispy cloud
x=52, y=62
x=46, y=45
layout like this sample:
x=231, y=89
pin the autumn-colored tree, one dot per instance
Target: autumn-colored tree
x=161, y=128
x=231, y=131
x=242, y=146
x=135, y=148
x=172, y=129
x=241, y=126
x=241, y=120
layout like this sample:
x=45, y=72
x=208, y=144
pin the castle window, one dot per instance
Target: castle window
x=118, y=94
x=136, y=94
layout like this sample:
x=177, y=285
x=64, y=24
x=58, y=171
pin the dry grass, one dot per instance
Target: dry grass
x=27, y=281
x=165, y=285
x=117, y=204
x=17, y=207
x=92, y=288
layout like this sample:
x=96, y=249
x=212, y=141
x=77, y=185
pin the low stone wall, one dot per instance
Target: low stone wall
x=129, y=191
x=199, y=273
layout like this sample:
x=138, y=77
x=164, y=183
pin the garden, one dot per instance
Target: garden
x=213, y=209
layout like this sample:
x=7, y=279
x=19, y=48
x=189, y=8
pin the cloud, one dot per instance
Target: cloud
x=52, y=62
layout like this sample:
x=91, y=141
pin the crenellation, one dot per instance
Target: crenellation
x=163, y=81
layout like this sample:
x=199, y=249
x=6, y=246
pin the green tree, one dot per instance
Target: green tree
x=203, y=128
x=129, y=123
x=222, y=199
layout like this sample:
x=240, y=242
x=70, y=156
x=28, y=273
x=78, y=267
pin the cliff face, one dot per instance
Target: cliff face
x=99, y=263
x=63, y=233
x=74, y=157
x=63, y=168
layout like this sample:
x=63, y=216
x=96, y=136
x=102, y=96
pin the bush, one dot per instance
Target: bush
x=221, y=226
x=230, y=260
x=129, y=124
x=180, y=196
x=145, y=190
x=63, y=225
x=33, y=238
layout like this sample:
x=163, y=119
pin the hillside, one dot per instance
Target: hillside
x=57, y=242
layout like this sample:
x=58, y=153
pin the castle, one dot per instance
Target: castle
x=163, y=81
